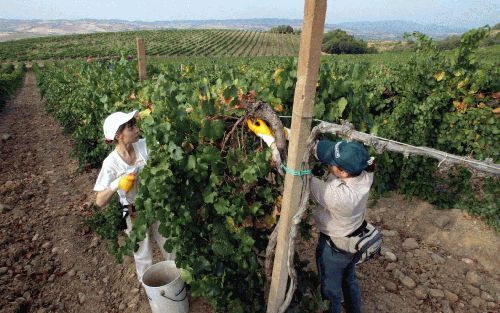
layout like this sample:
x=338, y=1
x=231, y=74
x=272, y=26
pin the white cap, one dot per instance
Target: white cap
x=114, y=121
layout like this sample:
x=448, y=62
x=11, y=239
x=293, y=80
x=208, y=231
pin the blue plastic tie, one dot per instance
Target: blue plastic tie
x=295, y=172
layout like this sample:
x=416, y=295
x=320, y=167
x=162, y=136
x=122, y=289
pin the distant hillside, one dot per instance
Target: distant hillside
x=384, y=30
x=393, y=30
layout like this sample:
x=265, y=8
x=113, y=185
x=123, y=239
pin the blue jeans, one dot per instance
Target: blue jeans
x=337, y=275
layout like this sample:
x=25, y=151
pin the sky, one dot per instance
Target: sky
x=466, y=13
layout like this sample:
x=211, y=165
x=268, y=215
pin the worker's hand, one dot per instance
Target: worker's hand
x=261, y=129
x=124, y=182
x=318, y=170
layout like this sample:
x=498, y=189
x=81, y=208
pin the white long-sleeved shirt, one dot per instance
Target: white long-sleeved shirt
x=114, y=166
x=341, y=203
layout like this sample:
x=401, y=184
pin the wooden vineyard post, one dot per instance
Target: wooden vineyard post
x=141, y=58
x=303, y=105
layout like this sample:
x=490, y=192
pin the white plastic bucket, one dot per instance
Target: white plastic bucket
x=165, y=289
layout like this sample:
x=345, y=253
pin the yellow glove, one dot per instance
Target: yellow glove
x=125, y=182
x=261, y=129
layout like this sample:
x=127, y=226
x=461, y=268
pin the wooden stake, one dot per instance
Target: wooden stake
x=303, y=105
x=141, y=58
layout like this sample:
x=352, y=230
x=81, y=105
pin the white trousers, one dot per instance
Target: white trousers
x=144, y=255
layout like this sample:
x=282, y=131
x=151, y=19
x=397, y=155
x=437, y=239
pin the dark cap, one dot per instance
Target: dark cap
x=352, y=157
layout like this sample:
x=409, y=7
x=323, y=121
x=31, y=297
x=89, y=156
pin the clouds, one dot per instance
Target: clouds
x=449, y=12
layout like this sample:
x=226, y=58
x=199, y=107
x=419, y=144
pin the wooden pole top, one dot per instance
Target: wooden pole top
x=141, y=58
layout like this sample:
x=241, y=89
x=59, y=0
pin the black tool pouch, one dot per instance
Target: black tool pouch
x=123, y=219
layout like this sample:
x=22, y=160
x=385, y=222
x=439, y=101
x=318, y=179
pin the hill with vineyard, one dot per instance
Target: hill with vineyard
x=189, y=42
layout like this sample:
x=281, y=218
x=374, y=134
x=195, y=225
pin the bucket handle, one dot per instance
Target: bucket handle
x=162, y=293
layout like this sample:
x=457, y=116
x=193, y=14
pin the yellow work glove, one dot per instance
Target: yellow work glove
x=261, y=129
x=124, y=182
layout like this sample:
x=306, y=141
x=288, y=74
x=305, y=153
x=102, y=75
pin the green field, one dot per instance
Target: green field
x=184, y=44
x=191, y=42
x=488, y=54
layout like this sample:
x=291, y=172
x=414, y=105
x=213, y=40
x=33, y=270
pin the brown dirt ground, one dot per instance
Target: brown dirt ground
x=51, y=262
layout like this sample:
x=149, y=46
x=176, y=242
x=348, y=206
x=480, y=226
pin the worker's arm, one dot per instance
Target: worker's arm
x=260, y=128
x=104, y=197
x=124, y=182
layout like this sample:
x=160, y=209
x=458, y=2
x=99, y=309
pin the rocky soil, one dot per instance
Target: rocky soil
x=432, y=260
x=50, y=261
